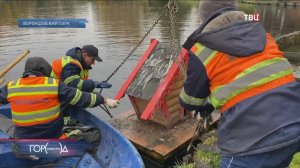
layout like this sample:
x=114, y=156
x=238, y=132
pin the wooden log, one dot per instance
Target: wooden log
x=177, y=84
x=174, y=108
x=174, y=93
x=173, y=101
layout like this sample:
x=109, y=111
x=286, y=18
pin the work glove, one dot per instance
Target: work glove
x=111, y=103
x=205, y=111
x=102, y=84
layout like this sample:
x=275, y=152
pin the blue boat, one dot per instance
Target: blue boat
x=114, y=151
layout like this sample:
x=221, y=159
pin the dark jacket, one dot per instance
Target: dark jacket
x=71, y=70
x=258, y=124
x=53, y=128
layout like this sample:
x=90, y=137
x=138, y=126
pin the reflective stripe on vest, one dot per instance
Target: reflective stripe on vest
x=194, y=101
x=254, y=76
x=93, y=100
x=85, y=74
x=34, y=100
x=76, y=97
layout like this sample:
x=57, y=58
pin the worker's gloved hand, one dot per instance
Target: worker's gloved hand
x=102, y=84
x=111, y=103
x=205, y=111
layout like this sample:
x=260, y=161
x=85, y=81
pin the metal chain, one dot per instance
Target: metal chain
x=139, y=43
x=172, y=6
x=175, y=42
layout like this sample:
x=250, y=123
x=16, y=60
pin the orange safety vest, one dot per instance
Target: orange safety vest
x=233, y=79
x=59, y=64
x=33, y=100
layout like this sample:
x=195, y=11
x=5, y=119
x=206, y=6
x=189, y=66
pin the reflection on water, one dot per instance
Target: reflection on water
x=114, y=27
x=278, y=20
x=293, y=48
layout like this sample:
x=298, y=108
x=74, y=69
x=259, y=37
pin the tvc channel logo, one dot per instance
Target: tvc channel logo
x=252, y=17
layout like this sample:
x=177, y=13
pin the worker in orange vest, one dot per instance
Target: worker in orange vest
x=36, y=98
x=237, y=67
x=73, y=69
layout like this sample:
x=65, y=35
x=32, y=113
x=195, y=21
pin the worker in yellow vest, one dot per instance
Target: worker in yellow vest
x=234, y=63
x=36, y=98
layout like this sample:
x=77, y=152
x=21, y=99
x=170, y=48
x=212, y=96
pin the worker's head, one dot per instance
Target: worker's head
x=208, y=7
x=90, y=54
x=37, y=66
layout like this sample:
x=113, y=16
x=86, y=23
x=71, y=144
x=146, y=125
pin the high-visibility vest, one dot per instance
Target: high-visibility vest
x=233, y=79
x=59, y=64
x=33, y=100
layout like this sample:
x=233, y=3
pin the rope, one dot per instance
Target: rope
x=104, y=108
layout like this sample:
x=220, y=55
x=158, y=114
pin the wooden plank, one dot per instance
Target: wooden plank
x=135, y=107
x=124, y=115
x=158, y=142
x=141, y=105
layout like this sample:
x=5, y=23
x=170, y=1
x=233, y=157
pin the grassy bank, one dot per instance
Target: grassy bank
x=207, y=155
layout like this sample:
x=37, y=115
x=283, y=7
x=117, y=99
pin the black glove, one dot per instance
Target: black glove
x=102, y=84
x=205, y=111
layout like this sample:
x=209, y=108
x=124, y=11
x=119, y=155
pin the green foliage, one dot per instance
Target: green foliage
x=210, y=140
x=296, y=161
x=185, y=165
x=247, y=8
x=207, y=157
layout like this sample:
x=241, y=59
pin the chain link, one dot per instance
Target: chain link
x=172, y=7
x=139, y=43
x=175, y=42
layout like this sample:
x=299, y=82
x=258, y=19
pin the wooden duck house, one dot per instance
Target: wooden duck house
x=155, y=83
